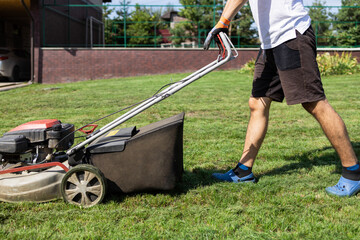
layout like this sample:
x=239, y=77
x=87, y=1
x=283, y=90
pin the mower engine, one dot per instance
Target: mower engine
x=36, y=141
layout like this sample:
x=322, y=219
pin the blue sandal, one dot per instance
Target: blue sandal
x=344, y=188
x=230, y=176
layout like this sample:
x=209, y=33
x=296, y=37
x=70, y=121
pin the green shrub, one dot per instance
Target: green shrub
x=328, y=64
x=248, y=67
x=337, y=64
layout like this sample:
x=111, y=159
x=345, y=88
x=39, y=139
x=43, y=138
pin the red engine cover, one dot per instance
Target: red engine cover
x=38, y=124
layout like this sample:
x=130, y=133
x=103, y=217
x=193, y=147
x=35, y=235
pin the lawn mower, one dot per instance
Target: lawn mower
x=39, y=163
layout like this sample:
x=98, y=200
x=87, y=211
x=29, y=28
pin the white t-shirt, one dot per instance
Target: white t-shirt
x=277, y=20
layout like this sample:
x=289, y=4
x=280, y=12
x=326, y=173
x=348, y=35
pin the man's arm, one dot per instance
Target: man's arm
x=232, y=7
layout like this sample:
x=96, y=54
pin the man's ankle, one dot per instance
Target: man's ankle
x=351, y=173
x=241, y=170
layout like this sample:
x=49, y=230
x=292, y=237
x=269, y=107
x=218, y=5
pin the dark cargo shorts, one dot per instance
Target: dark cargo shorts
x=289, y=70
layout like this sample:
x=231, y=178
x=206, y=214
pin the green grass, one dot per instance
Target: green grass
x=294, y=165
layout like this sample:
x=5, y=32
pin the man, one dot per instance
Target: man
x=286, y=67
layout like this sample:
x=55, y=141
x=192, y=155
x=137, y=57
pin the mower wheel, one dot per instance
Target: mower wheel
x=83, y=185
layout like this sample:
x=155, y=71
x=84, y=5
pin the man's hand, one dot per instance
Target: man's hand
x=221, y=26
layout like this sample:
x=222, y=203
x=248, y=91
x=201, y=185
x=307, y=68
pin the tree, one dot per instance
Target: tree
x=320, y=17
x=203, y=17
x=115, y=27
x=143, y=27
x=181, y=32
x=108, y=23
x=347, y=27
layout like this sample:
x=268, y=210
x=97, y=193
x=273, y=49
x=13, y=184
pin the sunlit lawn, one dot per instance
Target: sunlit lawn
x=294, y=165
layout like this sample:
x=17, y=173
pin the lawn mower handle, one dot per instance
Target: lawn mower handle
x=227, y=53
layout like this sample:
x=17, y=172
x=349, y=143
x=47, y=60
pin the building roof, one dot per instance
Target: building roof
x=167, y=16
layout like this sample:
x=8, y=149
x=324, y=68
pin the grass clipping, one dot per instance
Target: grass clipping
x=329, y=64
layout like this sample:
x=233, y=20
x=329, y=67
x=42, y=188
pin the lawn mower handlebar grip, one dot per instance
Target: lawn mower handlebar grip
x=227, y=50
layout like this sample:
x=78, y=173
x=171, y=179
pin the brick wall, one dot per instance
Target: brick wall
x=70, y=65
x=61, y=65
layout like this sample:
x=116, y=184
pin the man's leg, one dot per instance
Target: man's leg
x=266, y=88
x=257, y=128
x=335, y=130
x=256, y=131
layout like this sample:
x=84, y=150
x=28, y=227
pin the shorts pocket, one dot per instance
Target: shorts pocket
x=286, y=58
